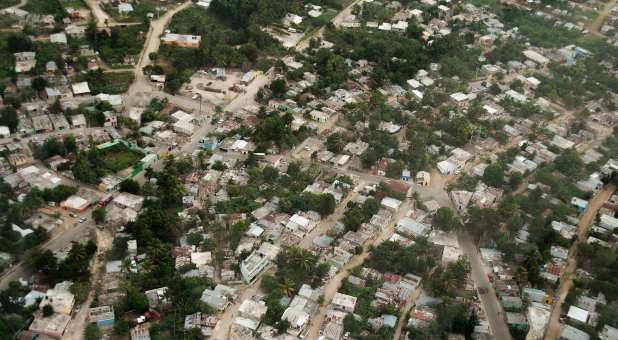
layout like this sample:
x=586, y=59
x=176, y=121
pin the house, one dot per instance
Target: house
x=579, y=204
x=58, y=38
x=460, y=99
x=344, y=302
x=75, y=203
x=571, y=333
x=182, y=40
x=319, y=116
x=110, y=119
x=248, y=77
x=253, y=310
x=390, y=203
x=80, y=89
x=60, y=299
x=5, y=132
x=608, y=222
x=24, y=61
x=423, y=178
x=78, y=121
x=204, y=322
x=536, y=57
x=76, y=31
x=405, y=175
x=59, y=122
x=141, y=331
x=447, y=167
x=410, y=227
x=253, y=265
x=220, y=297
x=157, y=297
x=51, y=326
x=103, y=316
x=125, y=8
x=578, y=314
x=609, y=333
x=127, y=200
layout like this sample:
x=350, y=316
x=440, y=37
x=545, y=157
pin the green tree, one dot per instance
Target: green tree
x=494, y=175
x=335, y=142
x=8, y=117
x=278, y=88
x=39, y=84
x=131, y=186
x=48, y=310
x=92, y=332
x=98, y=215
x=445, y=219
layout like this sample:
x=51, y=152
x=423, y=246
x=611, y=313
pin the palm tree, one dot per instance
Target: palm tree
x=287, y=287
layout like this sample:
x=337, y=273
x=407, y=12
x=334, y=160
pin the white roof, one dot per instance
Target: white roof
x=75, y=202
x=536, y=57
x=344, y=300
x=112, y=99
x=459, y=97
x=446, y=167
x=124, y=7
x=4, y=131
x=391, y=202
x=414, y=83
x=182, y=116
x=80, y=88
x=239, y=144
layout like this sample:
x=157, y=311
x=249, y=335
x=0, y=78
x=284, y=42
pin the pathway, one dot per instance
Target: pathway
x=566, y=279
x=333, y=285
x=594, y=26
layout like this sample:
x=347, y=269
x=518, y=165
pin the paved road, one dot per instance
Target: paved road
x=44, y=136
x=568, y=274
x=61, y=237
x=491, y=305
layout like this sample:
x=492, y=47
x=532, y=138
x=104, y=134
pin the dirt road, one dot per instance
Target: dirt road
x=593, y=27
x=337, y=20
x=76, y=327
x=403, y=322
x=151, y=45
x=313, y=330
x=566, y=280
x=101, y=17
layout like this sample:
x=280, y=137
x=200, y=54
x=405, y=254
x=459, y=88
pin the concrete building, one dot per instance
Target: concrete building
x=182, y=40
x=24, y=61
x=75, y=203
x=344, y=302
x=103, y=316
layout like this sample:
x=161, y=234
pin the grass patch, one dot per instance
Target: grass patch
x=124, y=41
x=74, y=4
x=110, y=82
x=53, y=7
x=540, y=32
x=120, y=157
x=8, y=3
x=6, y=21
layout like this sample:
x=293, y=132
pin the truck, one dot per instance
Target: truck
x=105, y=200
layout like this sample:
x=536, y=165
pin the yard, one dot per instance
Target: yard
x=120, y=157
x=8, y=3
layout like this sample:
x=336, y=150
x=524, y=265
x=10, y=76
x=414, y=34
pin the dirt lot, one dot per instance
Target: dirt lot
x=202, y=80
x=310, y=145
